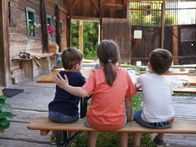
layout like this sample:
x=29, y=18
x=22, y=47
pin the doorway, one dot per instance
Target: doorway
x=85, y=35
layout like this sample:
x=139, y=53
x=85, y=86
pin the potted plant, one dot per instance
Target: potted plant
x=31, y=30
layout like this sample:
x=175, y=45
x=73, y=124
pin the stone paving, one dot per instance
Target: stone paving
x=34, y=100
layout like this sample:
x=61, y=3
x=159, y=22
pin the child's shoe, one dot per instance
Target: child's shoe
x=53, y=139
x=159, y=142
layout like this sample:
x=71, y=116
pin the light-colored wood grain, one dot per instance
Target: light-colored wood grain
x=190, y=79
x=178, y=127
x=46, y=78
x=1, y=92
x=191, y=90
x=50, y=77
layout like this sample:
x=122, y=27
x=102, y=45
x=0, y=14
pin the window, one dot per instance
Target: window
x=49, y=20
x=30, y=15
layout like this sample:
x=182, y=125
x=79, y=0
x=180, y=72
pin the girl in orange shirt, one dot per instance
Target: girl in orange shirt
x=111, y=89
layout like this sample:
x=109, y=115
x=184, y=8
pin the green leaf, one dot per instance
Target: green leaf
x=2, y=97
x=6, y=115
x=2, y=101
x=4, y=123
x=4, y=107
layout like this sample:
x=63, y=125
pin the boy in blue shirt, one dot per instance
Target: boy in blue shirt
x=64, y=107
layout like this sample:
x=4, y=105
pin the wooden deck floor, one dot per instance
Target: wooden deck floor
x=185, y=108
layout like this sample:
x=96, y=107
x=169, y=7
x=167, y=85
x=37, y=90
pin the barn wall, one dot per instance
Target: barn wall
x=98, y=8
x=119, y=31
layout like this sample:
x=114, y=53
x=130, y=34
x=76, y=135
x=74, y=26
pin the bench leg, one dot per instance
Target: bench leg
x=60, y=139
x=63, y=140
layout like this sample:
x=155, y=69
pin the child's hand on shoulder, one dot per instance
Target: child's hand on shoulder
x=60, y=81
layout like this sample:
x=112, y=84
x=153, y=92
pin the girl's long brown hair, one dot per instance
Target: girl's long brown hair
x=108, y=54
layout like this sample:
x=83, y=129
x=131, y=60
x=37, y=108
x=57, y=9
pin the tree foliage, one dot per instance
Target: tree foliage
x=149, y=14
x=90, y=37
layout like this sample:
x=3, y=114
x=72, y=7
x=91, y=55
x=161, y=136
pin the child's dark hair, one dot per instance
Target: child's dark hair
x=160, y=60
x=108, y=54
x=71, y=57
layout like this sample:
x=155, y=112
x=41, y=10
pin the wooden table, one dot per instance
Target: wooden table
x=186, y=71
x=191, y=90
x=42, y=61
x=181, y=73
x=50, y=77
x=46, y=78
x=187, y=79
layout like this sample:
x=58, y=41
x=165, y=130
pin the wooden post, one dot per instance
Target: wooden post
x=81, y=41
x=1, y=92
x=44, y=27
x=175, y=44
x=101, y=18
x=68, y=31
x=5, y=78
x=58, y=33
x=99, y=31
x=69, y=25
x=162, y=23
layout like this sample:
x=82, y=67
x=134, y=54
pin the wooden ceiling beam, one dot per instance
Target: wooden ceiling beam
x=114, y=5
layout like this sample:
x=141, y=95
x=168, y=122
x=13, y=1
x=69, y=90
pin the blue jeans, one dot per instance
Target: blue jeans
x=62, y=118
x=156, y=125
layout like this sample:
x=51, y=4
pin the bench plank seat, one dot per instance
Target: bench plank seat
x=44, y=124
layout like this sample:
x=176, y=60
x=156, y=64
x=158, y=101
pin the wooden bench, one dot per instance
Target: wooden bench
x=44, y=125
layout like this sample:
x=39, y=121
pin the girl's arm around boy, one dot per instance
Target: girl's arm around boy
x=64, y=84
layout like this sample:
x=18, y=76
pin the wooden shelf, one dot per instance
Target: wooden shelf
x=42, y=60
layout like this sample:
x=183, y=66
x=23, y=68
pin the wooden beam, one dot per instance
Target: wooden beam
x=68, y=28
x=68, y=31
x=58, y=33
x=126, y=8
x=154, y=0
x=101, y=11
x=44, y=27
x=62, y=9
x=81, y=41
x=5, y=78
x=114, y=6
x=162, y=24
x=175, y=44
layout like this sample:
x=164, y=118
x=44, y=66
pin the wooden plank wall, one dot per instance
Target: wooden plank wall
x=179, y=40
x=119, y=31
x=92, y=8
x=187, y=44
x=141, y=48
x=84, y=8
x=64, y=43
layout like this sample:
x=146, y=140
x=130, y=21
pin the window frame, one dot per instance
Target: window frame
x=31, y=10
